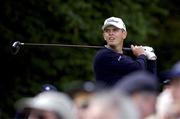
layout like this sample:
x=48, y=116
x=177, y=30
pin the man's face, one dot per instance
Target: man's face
x=114, y=36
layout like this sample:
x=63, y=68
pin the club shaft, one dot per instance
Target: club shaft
x=60, y=45
x=67, y=45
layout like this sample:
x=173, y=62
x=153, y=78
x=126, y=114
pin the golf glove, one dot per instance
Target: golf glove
x=149, y=51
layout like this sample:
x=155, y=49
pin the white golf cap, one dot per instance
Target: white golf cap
x=115, y=21
x=49, y=101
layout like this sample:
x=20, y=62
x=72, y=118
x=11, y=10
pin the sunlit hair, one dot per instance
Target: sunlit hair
x=111, y=100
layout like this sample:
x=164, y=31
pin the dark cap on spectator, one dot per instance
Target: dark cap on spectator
x=139, y=81
x=172, y=74
x=175, y=71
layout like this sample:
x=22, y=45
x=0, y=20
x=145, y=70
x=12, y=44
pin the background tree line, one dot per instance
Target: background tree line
x=152, y=22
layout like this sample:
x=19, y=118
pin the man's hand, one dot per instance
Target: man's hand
x=138, y=50
x=146, y=50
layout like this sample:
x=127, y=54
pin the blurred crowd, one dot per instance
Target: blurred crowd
x=135, y=96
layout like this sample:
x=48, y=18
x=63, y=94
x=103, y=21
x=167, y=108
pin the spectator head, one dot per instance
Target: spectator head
x=108, y=105
x=137, y=82
x=47, y=104
x=142, y=88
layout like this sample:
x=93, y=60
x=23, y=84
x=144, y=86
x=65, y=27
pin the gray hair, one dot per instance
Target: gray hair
x=125, y=107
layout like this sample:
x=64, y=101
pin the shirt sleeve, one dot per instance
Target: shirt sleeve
x=119, y=62
x=152, y=66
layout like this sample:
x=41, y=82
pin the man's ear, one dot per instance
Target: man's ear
x=103, y=36
x=124, y=34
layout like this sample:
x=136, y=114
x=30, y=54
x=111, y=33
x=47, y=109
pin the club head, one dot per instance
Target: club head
x=16, y=47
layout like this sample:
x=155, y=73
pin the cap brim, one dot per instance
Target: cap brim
x=23, y=103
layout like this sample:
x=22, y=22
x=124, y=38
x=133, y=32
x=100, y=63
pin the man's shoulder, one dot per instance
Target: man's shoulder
x=104, y=51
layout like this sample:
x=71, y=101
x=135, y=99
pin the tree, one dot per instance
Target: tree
x=58, y=21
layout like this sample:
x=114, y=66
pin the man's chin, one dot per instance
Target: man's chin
x=112, y=45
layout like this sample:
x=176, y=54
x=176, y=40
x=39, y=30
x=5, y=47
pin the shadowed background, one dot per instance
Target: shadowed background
x=154, y=23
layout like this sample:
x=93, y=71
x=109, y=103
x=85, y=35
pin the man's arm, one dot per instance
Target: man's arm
x=110, y=60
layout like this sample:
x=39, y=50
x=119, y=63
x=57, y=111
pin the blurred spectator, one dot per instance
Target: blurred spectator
x=142, y=88
x=45, y=87
x=46, y=105
x=108, y=105
x=80, y=95
x=168, y=102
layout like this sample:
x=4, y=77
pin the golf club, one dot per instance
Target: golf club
x=17, y=45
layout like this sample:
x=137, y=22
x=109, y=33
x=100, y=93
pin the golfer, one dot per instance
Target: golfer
x=110, y=64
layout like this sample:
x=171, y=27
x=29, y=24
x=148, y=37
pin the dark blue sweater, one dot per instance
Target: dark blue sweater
x=110, y=66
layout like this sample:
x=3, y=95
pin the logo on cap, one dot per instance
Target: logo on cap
x=112, y=20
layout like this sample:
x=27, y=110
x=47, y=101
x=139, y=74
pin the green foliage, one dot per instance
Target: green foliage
x=70, y=22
